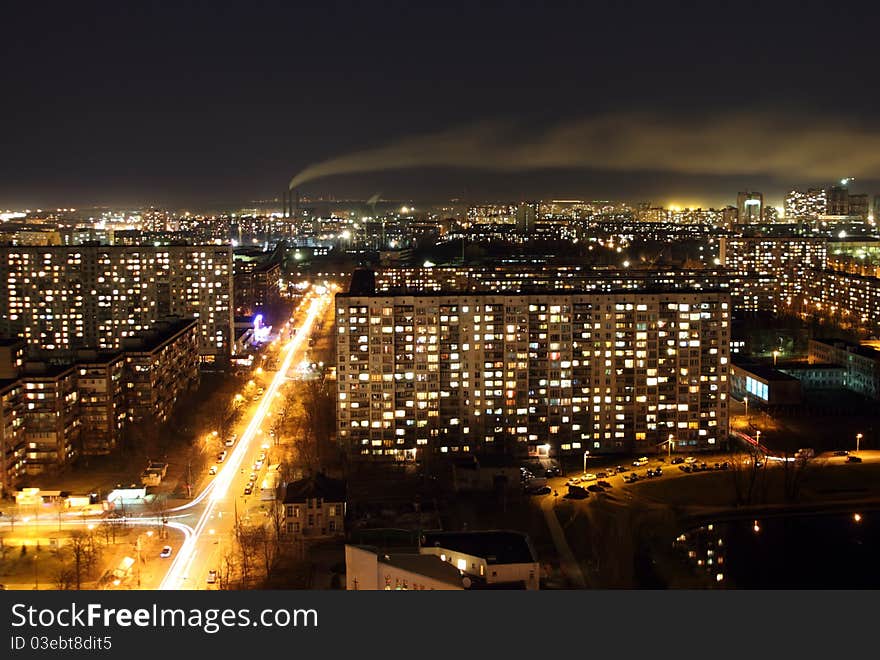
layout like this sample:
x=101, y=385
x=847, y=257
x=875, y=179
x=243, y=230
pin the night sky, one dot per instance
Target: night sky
x=196, y=104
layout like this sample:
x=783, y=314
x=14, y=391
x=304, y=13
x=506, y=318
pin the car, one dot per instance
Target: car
x=759, y=463
x=262, y=456
x=658, y=471
x=258, y=465
x=229, y=441
x=589, y=477
x=690, y=460
x=725, y=465
x=255, y=397
x=601, y=475
x=677, y=460
x=842, y=452
x=651, y=474
x=221, y=457
x=212, y=469
x=248, y=489
x=684, y=468
x=595, y=488
x=260, y=391
x=621, y=469
x=604, y=484
x=253, y=476
x=540, y=490
x=166, y=552
x=577, y=492
x=553, y=471
x=704, y=465
x=639, y=462
x=212, y=576
x=853, y=459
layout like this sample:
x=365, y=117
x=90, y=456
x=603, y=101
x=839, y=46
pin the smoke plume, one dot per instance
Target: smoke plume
x=776, y=145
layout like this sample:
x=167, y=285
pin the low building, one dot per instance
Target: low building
x=485, y=473
x=861, y=364
x=764, y=385
x=369, y=569
x=496, y=559
x=817, y=375
x=314, y=507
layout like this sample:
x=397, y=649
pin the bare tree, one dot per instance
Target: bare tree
x=79, y=550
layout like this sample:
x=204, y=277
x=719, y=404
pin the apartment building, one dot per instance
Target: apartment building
x=160, y=365
x=564, y=372
x=63, y=298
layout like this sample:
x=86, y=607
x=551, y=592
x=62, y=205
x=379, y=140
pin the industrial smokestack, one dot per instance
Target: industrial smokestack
x=284, y=205
x=295, y=194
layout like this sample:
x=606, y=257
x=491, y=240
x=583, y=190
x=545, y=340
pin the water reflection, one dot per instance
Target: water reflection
x=819, y=551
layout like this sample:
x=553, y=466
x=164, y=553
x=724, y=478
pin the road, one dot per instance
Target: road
x=215, y=510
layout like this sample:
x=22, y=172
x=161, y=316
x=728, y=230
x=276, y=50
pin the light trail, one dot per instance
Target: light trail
x=182, y=564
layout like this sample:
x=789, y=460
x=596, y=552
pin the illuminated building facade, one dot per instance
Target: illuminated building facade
x=160, y=365
x=749, y=208
x=772, y=271
x=67, y=298
x=564, y=372
x=805, y=204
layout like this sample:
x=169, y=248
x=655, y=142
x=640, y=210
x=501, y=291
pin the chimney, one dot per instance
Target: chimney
x=294, y=203
x=284, y=204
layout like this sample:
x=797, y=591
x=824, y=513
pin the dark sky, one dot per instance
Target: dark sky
x=190, y=103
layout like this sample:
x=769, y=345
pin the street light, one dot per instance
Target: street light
x=669, y=444
x=775, y=355
x=586, y=454
x=858, y=439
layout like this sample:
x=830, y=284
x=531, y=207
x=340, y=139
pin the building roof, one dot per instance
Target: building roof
x=428, y=565
x=858, y=349
x=762, y=371
x=319, y=485
x=162, y=331
x=495, y=546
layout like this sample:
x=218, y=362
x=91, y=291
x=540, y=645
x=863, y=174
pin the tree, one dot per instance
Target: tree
x=79, y=551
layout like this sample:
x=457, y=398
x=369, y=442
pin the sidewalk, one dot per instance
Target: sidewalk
x=568, y=563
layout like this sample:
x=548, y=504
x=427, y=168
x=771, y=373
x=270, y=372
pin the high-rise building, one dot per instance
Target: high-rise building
x=749, y=207
x=61, y=299
x=859, y=206
x=557, y=372
x=805, y=204
x=772, y=271
x=837, y=200
x=527, y=214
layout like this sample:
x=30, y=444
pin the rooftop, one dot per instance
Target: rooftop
x=762, y=371
x=495, y=546
x=319, y=485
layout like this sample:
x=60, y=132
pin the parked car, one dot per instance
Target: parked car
x=230, y=441
x=595, y=488
x=601, y=475
x=639, y=462
x=212, y=469
x=258, y=465
x=853, y=459
x=690, y=460
x=604, y=484
x=677, y=460
x=684, y=468
x=221, y=456
x=212, y=576
x=166, y=552
x=553, y=471
x=842, y=452
x=577, y=492
x=248, y=489
x=539, y=490
x=589, y=477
